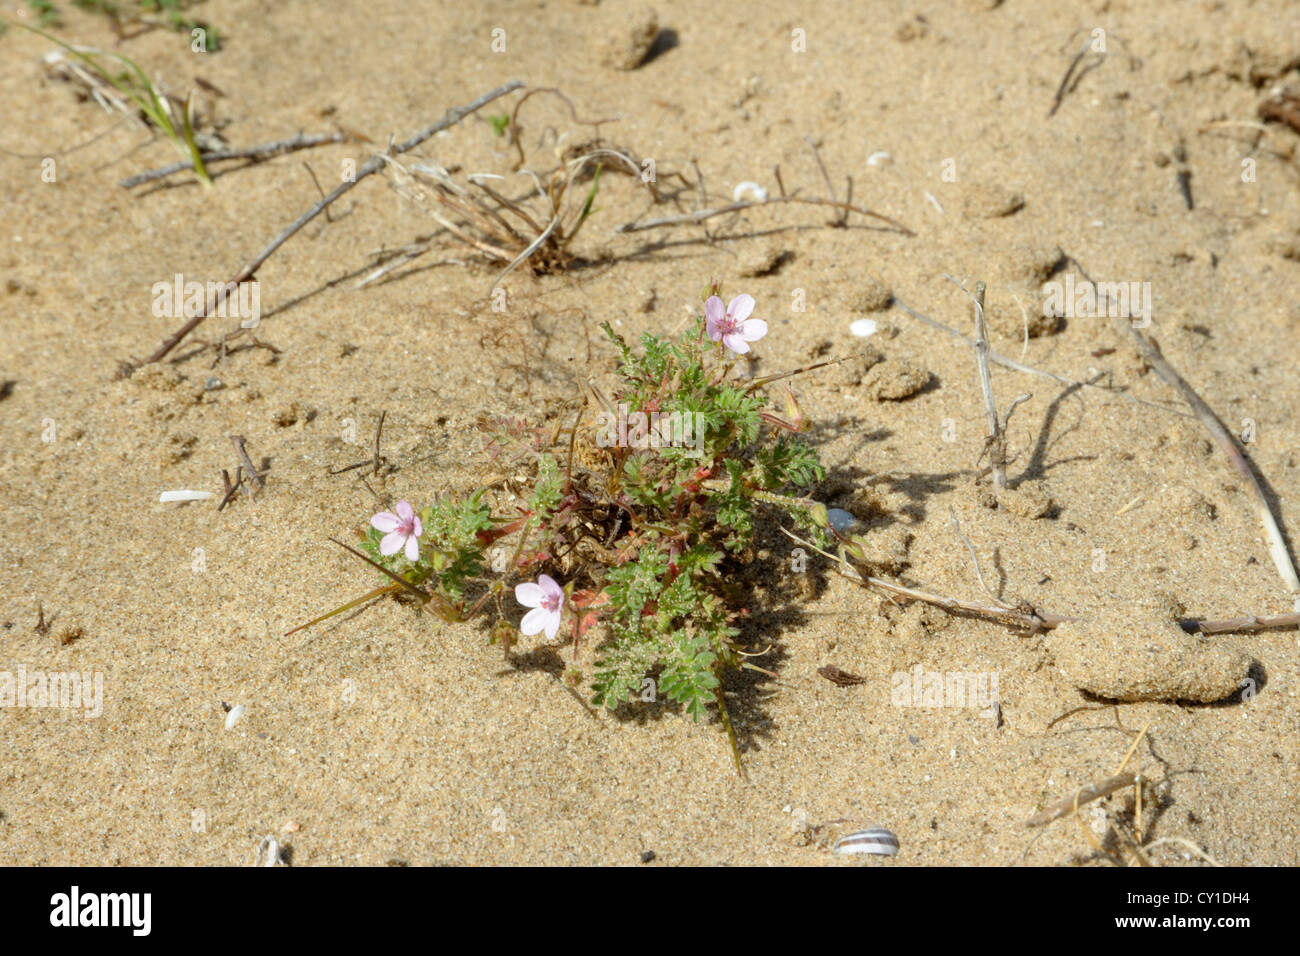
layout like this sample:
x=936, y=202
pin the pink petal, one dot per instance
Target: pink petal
x=528, y=594
x=412, y=549
x=549, y=586
x=404, y=510
x=735, y=343
x=753, y=330
x=713, y=310
x=537, y=619
x=391, y=543
x=552, y=625
x=741, y=307
x=385, y=521
x=419, y=528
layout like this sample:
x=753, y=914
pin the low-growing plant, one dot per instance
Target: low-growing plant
x=133, y=90
x=641, y=503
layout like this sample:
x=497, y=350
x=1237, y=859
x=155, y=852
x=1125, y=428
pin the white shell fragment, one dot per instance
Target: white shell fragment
x=879, y=158
x=864, y=327
x=232, y=718
x=185, y=495
x=756, y=192
x=841, y=520
x=877, y=841
x=268, y=852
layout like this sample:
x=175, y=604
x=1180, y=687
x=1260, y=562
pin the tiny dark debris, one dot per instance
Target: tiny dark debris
x=837, y=676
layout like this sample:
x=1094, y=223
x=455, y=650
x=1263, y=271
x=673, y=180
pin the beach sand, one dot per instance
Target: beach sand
x=386, y=736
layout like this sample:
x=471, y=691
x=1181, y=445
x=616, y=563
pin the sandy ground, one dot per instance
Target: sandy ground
x=387, y=737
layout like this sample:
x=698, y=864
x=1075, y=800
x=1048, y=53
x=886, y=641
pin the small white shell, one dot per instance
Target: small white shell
x=864, y=327
x=879, y=158
x=268, y=852
x=877, y=841
x=232, y=718
x=755, y=191
x=185, y=496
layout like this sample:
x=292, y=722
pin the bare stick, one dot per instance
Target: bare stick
x=842, y=219
x=231, y=488
x=1223, y=438
x=1276, y=544
x=1060, y=90
x=1005, y=362
x=265, y=151
x=701, y=215
x=970, y=549
x=996, y=443
x=1037, y=619
x=371, y=166
x=238, y=442
x=1070, y=805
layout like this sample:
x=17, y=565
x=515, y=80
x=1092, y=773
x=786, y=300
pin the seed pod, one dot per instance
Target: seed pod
x=877, y=841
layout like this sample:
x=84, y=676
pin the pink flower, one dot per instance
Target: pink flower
x=733, y=328
x=546, y=599
x=399, y=529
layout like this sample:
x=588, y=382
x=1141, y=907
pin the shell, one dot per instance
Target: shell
x=185, y=495
x=268, y=852
x=864, y=327
x=232, y=718
x=877, y=841
x=757, y=192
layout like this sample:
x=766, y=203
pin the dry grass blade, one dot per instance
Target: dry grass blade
x=1070, y=804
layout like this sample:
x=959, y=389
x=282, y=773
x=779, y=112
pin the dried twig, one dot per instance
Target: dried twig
x=264, y=151
x=703, y=214
x=1005, y=362
x=1277, y=548
x=1036, y=619
x=371, y=166
x=249, y=470
x=1069, y=805
x=1069, y=72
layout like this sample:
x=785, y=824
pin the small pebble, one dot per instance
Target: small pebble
x=842, y=521
x=630, y=41
x=1125, y=653
x=894, y=380
x=872, y=296
x=877, y=841
x=991, y=201
x=235, y=714
x=864, y=327
x=647, y=856
x=761, y=261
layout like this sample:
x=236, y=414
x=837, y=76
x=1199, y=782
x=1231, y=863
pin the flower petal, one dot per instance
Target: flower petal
x=391, y=543
x=412, y=549
x=385, y=521
x=549, y=586
x=713, y=310
x=753, y=329
x=742, y=306
x=734, y=342
x=552, y=625
x=528, y=594
x=419, y=528
x=404, y=510
x=535, y=620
